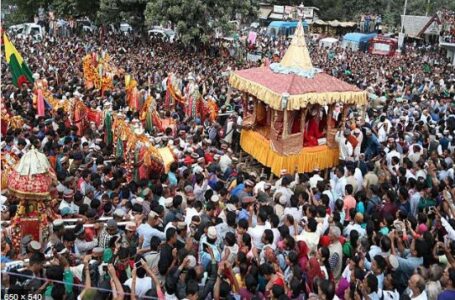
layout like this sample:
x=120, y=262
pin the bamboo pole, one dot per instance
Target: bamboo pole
x=285, y=124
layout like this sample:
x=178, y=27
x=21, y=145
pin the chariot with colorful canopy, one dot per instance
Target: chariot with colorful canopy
x=292, y=111
x=31, y=182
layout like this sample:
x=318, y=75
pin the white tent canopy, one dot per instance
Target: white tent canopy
x=327, y=42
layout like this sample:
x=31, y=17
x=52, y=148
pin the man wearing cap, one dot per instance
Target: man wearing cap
x=284, y=189
x=173, y=209
x=181, y=228
x=57, y=235
x=200, y=165
x=67, y=202
x=82, y=245
x=108, y=232
x=190, y=210
x=130, y=238
x=209, y=239
x=260, y=185
x=118, y=215
x=225, y=159
x=148, y=230
x=187, y=195
x=247, y=191
x=34, y=247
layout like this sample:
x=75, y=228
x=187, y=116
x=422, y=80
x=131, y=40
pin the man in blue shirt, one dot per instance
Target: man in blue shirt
x=409, y=260
x=448, y=282
x=372, y=146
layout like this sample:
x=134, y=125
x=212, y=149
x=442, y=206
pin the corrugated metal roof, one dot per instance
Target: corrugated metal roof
x=276, y=16
x=413, y=25
x=358, y=37
x=264, y=12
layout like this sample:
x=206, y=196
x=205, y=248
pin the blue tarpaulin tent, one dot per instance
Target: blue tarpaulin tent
x=283, y=27
x=357, y=41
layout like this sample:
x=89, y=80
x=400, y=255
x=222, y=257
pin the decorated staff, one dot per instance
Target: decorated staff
x=38, y=98
x=98, y=72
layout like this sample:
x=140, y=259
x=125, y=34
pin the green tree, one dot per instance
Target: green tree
x=65, y=8
x=197, y=20
x=115, y=11
x=25, y=10
x=76, y=8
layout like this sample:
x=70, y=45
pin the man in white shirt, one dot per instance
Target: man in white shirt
x=392, y=153
x=383, y=129
x=294, y=209
x=225, y=159
x=417, y=286
x=147, y=230
x=259, y=187
x=369, y=287
x=284, y=190
x=338, y=183
x=257, y=231
x=415, y=198
x=315, y=179
x=346, y=150
x=143, y=283
x=358, y=219
x=67, y=202
x=310, y=235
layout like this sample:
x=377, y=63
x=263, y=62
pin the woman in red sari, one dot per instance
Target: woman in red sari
x=313, y=271
x=303, y=254
x=273, y=278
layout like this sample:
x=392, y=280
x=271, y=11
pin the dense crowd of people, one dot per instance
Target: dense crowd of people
x=447, y=19
x=380, y=225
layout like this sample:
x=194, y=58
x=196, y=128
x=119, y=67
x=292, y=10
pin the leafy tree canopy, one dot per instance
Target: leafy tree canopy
x=197, y=20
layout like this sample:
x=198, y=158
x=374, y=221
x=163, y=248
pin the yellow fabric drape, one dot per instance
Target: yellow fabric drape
x=295, y=102
x=175, y=94
x=121, y=130
x=307, y=160
x=167, y=156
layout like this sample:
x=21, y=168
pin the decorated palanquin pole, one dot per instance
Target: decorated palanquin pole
x=4, y=118
x=289, y=111
x=90, y=73
x=8, y=121
x=191, y=101
x=173, y=93
x=132, y=144
x=107, y=121
x=149, y=116
x=208, y=109
x=132, y=93
x=9, y=160
x=98, y=71
x=31, y=181
x=39, y=87
x=192, y=96
x=78, y=113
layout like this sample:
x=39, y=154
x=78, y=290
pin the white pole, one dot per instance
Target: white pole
x=404, y=14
